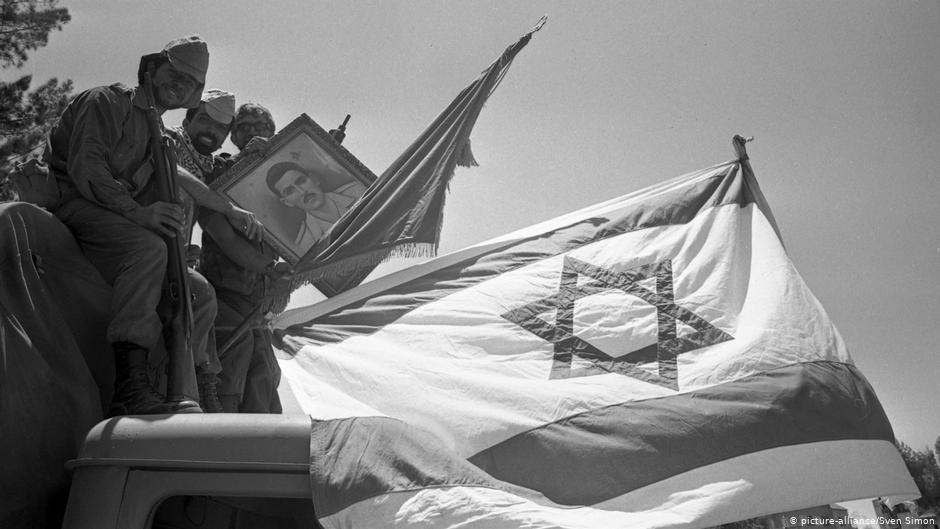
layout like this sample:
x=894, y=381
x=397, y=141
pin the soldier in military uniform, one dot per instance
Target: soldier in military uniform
x=250, y=282
x=99, y=153
x=202, y=132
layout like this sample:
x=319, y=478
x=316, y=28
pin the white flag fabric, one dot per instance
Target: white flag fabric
x=651, y=361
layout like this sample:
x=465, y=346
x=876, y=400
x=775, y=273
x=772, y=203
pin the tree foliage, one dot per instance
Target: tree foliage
x=26, y=116
x=751, y=523
x=925, y=469
x=23, y=113
x=25, y=26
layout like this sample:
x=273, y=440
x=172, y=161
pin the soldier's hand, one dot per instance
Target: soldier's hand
x=162, y=217
x=32, y=183
x=280, y=270
x=245, y=222
x=23, y=173
x=256, y=146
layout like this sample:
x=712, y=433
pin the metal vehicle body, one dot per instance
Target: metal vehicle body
x=250, y=466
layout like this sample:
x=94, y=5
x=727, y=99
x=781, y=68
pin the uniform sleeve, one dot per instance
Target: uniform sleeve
x=95, y=134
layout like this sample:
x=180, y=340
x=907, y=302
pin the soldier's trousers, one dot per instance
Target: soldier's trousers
x=133, y=260
x=250, y=372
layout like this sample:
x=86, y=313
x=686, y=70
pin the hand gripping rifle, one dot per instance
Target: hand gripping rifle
x=178, y=330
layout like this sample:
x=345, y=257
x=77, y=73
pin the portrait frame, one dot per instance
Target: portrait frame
x=290, y=230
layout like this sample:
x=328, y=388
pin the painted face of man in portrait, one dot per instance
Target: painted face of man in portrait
x=299, y=190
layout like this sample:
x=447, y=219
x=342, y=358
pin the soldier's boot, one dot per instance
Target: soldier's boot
x=209, y=394
x=230, y=403
x=133, y=390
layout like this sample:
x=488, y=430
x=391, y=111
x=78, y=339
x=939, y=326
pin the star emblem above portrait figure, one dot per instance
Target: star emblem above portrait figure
x=580, y=280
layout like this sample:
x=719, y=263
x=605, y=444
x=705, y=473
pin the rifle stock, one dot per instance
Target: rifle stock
x=177, y=332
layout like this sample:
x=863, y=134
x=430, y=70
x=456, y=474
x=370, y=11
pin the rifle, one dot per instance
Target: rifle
x=177, y=332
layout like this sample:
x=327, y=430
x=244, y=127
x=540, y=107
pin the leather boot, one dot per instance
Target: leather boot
x=208, y=393
x=133, y=390
x=230, y=403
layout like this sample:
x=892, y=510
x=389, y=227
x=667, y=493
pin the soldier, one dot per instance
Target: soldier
x=251, y=121
x=250, y=281
x=99, y=153
x=202, y=132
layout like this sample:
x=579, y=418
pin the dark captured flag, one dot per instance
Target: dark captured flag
x=400, y=214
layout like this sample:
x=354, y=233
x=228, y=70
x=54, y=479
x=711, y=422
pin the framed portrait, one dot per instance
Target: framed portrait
x=299, y=189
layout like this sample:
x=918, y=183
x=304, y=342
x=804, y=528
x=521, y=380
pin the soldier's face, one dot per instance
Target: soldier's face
x=206, y=133
x=299, y=190
x=248, y=126
x=172, y=88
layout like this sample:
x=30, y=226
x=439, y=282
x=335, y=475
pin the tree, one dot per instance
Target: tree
x=26, y=117
x=861, y=521
x=25, y=26
x=925, y=470
x=936, y=449
x=751, y=523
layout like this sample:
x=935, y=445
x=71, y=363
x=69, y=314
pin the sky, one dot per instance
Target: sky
x=611, y=97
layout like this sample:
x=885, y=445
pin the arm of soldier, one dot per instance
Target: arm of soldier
x=236, y=247
x=96, y=131
x=256, y=148
x=208, y=198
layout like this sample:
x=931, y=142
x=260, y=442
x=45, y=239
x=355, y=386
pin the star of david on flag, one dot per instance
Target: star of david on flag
x=569, y=347
x=651, y=361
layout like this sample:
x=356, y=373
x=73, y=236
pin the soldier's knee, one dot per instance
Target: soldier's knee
x=203, y=293
x=151, y=248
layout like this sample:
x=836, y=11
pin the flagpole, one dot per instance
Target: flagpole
x=538, y=24
x=743, y=160
x=740, y=151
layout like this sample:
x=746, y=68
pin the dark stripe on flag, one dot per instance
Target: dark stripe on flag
x=358, y=458
x=608, y=452
x=675, y=207
x=604, y=453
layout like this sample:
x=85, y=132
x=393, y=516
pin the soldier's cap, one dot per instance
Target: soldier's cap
x=220, y=105
x=189, y=55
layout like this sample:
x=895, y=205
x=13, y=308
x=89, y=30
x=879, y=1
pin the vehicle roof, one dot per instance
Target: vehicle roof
x=230, y=441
